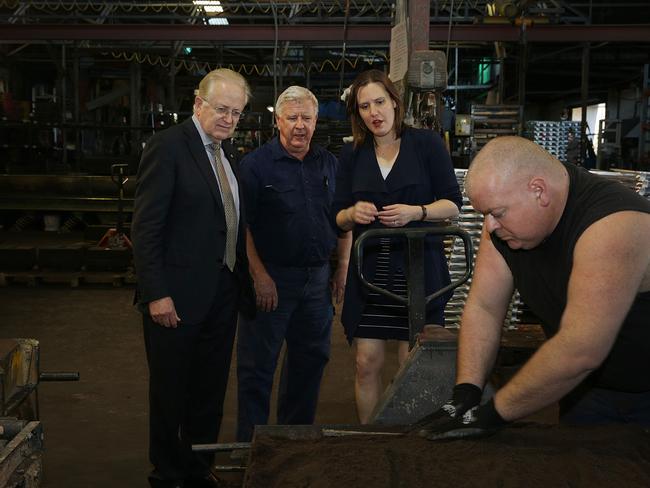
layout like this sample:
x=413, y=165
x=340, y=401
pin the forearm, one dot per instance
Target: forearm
x=148, y=236
x=339, y=277
x=343, y=249
x=440, y=210
x=553, y=371
x=344, y=220
x=431, y=212
x=255, y=264
x=485, y=310
x=478, y=344
x=148, y=259
x=266, y=294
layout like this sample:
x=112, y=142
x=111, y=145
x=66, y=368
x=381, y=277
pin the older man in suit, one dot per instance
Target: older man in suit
x=189, y=250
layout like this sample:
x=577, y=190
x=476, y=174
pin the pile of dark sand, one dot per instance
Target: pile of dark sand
x=523, y=455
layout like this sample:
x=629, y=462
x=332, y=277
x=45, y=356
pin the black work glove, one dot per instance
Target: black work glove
x=479, y=421
x=464, y=397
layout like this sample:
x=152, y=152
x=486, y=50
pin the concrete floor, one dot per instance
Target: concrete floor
x=96, y=429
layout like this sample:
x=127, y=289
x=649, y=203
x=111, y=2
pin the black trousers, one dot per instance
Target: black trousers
x=188, y=377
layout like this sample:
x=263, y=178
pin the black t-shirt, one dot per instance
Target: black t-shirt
x=542, y=275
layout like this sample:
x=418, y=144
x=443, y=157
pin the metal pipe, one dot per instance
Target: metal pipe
x=232, y=446
x=59, y=376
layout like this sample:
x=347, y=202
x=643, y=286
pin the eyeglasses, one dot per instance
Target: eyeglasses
x=223, y=111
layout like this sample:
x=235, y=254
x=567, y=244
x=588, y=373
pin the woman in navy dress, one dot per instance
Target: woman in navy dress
x=390, y=176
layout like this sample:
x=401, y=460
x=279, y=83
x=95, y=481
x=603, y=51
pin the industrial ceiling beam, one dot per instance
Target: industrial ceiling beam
x=320, y=33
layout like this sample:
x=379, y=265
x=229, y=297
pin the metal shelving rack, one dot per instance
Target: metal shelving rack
x=609, y=142
x=553, y=135
x=490, y=121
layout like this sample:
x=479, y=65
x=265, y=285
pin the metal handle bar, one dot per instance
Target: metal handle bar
x=59, y=376
x=415, y=300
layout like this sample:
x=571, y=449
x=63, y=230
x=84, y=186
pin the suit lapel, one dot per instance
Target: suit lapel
x=232, y=155
x=202, y=161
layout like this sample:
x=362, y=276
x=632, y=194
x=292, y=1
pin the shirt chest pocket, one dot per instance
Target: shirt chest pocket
x=281, y=198
x=319, y=190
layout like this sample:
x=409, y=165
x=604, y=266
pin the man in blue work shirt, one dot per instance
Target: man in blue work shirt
x=288, y=189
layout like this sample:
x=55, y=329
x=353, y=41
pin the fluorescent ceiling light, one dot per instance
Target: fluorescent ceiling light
x=210, y=6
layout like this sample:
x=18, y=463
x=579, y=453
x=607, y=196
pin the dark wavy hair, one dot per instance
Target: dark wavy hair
x=359, y=129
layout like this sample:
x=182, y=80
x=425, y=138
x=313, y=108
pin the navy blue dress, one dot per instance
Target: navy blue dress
x=421, y=174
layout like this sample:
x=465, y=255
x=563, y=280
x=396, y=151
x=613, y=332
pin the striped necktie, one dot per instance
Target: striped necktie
x=228, y=207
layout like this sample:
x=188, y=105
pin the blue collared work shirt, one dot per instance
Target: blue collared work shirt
x=288, y=204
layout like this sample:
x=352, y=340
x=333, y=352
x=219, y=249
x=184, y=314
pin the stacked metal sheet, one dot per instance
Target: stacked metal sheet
x=552, y=135
x=639, y=181
x=472, y=222
x=628, y=179
x=643, y=183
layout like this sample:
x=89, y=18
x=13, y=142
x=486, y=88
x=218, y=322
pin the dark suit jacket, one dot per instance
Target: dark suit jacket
x=179, y=226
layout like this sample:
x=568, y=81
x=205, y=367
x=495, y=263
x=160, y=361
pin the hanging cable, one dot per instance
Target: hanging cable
x=451, y=13
x=345, y=38
x=275, y=52
x=333, y=65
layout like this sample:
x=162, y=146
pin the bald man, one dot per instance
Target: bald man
x=577, y=247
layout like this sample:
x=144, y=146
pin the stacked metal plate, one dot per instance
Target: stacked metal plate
x=629, y=179
x=639, y=181
x=552, y=135
x=643, y=183
x=472, y=222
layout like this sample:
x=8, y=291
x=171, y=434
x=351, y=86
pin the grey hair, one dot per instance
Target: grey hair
x=295, y=93
x=223, y=74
